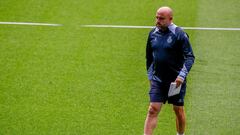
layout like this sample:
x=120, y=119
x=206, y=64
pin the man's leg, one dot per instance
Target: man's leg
x=151, y=120
x=180, y=118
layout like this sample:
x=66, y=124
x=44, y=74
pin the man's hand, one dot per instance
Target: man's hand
x=178, y=81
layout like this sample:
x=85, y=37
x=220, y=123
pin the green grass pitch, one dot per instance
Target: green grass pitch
x=71, y=80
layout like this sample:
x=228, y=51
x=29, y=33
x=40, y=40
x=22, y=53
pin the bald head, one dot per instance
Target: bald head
x=165, y=10
x=164, y=17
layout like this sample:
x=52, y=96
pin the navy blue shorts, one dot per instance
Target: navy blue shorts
x=159, y=93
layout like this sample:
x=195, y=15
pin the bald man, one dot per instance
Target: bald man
x=169, y=58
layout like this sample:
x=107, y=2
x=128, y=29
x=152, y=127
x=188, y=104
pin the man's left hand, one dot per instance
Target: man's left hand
x=178, y=81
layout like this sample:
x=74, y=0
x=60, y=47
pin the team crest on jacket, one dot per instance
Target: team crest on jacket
x=169, y=40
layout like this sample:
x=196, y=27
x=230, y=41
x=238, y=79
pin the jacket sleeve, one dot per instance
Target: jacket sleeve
x=149, y=57
x=188, y=56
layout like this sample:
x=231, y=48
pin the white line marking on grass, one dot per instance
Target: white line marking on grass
x=116, y=26
x=29, y=23
x=202, y=28
x=148, y=27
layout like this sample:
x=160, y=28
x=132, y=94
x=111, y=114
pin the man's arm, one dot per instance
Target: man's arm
x=188, y=57
x=149, y=57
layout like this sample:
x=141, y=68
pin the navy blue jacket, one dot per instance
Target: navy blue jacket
x=168, y=54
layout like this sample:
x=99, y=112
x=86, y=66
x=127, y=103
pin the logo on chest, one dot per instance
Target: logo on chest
x=169, y=40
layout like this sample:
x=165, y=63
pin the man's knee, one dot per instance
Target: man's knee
x=179, y=111
x=153, y=110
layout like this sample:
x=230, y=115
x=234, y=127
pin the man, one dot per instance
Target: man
x=169, y=58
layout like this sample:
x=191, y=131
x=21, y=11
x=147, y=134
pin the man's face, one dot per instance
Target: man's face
x=163, y=20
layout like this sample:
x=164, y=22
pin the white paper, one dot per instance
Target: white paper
x=173, y=90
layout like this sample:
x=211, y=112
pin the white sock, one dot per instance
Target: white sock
x=180, y=134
